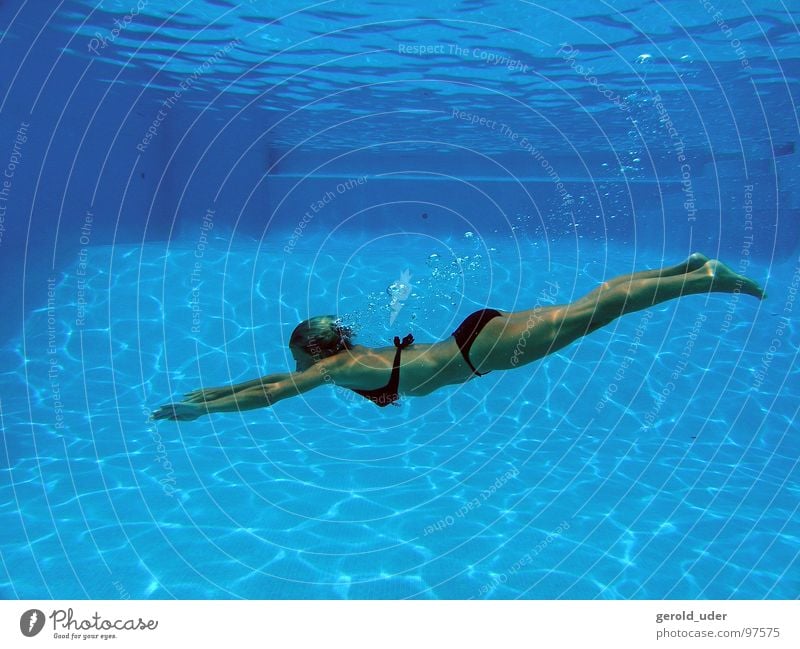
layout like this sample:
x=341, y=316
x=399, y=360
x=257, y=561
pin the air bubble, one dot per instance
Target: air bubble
x=398, y=290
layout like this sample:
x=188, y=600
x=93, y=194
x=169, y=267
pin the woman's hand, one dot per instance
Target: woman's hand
x=179, y=412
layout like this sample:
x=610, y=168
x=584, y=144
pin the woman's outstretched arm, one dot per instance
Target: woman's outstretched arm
x=260, y=394
x=210, y=394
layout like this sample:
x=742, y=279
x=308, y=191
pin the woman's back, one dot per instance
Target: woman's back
x=423, y=367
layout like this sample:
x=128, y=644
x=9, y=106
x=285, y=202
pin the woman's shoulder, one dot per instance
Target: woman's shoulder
x=351, y=366
x=354, y=356
x=360, y=358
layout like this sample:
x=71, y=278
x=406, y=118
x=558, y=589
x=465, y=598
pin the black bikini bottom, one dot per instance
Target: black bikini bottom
x=468, y=331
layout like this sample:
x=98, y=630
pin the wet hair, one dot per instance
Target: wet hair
x=322, y=336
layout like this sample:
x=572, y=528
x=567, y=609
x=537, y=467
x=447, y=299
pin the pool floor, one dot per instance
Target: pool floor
x=656, y=458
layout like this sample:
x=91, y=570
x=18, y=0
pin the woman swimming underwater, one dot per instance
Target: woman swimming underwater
x=487, y=340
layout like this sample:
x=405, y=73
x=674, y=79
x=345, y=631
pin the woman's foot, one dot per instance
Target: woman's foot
x=726, y=281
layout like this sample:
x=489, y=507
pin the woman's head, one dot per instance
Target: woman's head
x=317, y=338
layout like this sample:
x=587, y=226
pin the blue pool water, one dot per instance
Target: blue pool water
x=189, y=187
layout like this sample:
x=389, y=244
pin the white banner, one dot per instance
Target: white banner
x=398, y=624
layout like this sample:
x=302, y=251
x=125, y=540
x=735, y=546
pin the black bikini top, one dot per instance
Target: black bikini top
x=382, y=397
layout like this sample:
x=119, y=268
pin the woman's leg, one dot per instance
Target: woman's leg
x=634, y=293
x=526, y=339
x=693, y=262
